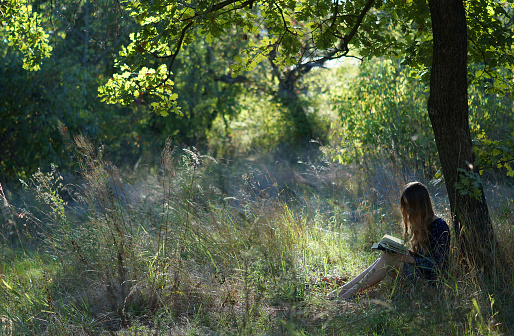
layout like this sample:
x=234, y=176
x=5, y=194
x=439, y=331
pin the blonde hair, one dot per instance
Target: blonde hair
x=417, y=212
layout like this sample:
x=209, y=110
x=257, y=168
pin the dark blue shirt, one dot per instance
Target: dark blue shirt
x=433, y=259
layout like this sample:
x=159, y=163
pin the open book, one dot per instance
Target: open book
x=391, y=244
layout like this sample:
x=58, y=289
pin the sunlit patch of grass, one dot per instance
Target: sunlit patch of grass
x=25, y=288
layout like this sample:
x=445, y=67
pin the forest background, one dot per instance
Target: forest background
x=254, y=192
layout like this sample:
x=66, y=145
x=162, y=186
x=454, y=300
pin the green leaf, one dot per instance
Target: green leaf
x=208, y=38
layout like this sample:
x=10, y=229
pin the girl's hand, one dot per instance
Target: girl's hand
x=410, y=258
x=403, y=257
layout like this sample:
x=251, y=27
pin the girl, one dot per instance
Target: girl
x=429, y=242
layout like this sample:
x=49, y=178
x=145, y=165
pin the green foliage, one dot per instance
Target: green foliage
x=394, y=29
x=28, y=131
x=22, y=27
x=490, y=44
x=253, y=55
x=158, y=69
x=290, y=33
x=204, y=94
x=469, y=183
x=494, y=154
x=402, y=29
x=59, y=98
x=129, y=88
x=489, y=113
x=492, y=124
x=260, y=123
x=382, y=112
x=166, y=30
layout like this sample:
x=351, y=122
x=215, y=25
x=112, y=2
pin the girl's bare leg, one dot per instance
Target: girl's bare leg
x=371, y=276
x=352, y=283
x=359, y=277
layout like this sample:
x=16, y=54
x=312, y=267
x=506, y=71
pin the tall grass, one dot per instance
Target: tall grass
x=201, y=247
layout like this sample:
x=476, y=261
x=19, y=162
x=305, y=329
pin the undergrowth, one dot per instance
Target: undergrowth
x=209, y=248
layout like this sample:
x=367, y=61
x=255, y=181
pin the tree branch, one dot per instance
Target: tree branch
x=283, y=18
x=229, y=79
x=361, y=16
x=219, y=6
x=343, y=44
x=106, y=50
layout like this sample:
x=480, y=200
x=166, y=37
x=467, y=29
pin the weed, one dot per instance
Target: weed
x=204, y=247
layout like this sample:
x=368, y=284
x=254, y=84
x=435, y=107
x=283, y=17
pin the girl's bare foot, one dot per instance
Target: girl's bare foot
x=337, y=292
x=349, y=293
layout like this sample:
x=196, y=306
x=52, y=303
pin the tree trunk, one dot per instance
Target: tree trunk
x=448, y=112
x=303, y=129
x=288, y=96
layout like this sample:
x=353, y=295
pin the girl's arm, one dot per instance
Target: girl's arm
x=410, y=258
x=441, y=248
x=404, y=257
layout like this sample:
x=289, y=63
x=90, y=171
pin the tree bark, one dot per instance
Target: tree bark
x=448, y=112
x=288, y=96
x=303, y=129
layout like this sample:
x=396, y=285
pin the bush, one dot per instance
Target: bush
x=383, y=118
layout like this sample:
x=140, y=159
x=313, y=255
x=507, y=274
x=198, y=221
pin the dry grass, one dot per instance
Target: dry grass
x=207, y=248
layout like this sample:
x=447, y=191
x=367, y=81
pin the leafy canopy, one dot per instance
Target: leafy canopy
x=23, y=29
x=297, y=32
x=278, y=26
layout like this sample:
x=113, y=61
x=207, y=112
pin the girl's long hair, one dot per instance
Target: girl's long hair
x=417, y=212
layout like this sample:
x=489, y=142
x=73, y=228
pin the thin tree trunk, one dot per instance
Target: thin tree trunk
x=303, y=129
x=448, y=112
x=86, y=33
